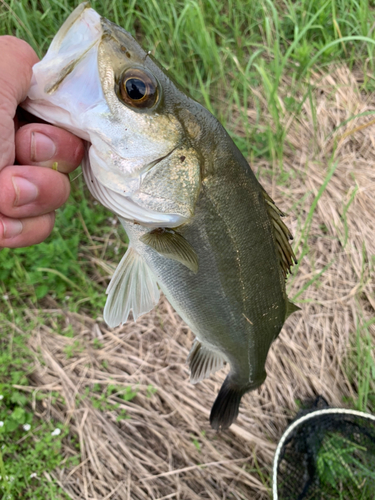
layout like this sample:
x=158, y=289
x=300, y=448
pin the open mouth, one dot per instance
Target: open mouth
x=52, y=87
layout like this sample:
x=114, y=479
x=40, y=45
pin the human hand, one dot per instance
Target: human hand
x=29, y=192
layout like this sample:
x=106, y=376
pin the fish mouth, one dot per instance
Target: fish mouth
x=52, y=87
x=68, y=24
x=80, y=33
x=71, y=68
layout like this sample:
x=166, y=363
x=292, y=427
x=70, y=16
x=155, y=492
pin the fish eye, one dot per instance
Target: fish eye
x=138, y=88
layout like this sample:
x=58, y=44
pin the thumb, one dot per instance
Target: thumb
x=16, y=62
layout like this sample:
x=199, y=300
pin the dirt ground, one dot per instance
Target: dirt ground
x=166, y=449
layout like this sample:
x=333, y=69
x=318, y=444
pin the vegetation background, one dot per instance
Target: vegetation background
x=86, y=412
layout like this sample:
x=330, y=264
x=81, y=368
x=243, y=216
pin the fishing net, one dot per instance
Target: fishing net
x=326, y=454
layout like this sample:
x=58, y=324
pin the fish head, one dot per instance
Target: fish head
x=98, y=83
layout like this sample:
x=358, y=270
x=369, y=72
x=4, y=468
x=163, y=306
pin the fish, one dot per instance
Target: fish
x=201, y=228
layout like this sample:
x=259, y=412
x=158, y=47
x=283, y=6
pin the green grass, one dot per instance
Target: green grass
x=345, y=469
x=30, y=447
x=219, y=52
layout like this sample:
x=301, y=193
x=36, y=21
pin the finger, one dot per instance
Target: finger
x=25, y=232
x=16, y=61
x=40, y=144
x=28, y=191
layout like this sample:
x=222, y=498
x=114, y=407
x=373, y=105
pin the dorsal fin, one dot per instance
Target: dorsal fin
x=282, y=235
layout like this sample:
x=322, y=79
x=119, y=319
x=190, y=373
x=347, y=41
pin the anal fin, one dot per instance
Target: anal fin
x=172, y=245
x=203, y=362
x=132, y=287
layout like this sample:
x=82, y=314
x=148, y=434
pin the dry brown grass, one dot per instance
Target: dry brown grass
x=167, y=449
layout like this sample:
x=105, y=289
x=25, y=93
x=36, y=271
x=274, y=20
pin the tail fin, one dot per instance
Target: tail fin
x=225, y=407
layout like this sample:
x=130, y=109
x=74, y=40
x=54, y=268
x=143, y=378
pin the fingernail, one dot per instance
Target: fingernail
x=12, y=227
x=26, y=191
x=42, y=147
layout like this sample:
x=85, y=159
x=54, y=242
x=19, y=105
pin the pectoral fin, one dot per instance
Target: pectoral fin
x=132, y=287
x=173, y=246
x=203, y=362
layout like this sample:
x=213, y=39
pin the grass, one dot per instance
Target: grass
x=30, y=445
x=345, y=469
x=257, y=66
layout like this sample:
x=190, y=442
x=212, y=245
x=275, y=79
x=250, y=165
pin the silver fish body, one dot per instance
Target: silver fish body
x=200, y=225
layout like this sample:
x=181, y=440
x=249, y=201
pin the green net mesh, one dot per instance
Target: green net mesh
x=326, y=454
